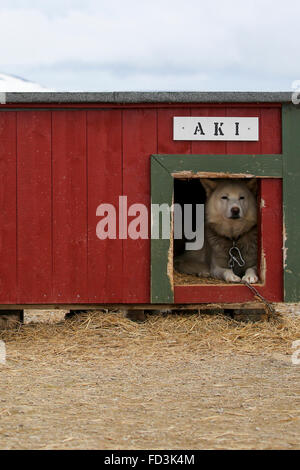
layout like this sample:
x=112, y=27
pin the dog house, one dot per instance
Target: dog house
x=63, y=155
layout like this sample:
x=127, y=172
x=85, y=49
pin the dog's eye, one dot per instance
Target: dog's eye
x=224, y=197
x=242, y=198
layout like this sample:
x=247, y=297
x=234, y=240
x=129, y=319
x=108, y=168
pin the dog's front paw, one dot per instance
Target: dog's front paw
x=229, y=276
x=250, y=277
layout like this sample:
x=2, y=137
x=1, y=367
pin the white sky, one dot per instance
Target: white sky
x=116, y=45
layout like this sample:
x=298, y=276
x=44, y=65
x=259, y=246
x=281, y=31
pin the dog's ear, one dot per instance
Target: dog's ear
x=209, y=185
x=252, y=185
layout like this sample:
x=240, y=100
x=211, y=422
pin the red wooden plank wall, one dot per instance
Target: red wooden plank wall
x=69, y=183
x=8, y=208
x=139, y=142
x=58, y=166
x=34, y=238
x=104, y=158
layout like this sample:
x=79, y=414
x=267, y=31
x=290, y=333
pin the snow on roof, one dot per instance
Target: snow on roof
x=12, y=83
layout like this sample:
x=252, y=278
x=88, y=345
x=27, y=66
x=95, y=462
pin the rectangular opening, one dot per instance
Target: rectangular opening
x=236, y=213
x=178, y=179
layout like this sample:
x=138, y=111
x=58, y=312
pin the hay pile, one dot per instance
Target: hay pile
x=181, y=279
x=161, y=333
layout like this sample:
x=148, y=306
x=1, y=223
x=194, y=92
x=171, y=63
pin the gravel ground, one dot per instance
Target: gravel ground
x=99, y=381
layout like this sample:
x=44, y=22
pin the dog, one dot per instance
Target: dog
x=230, y=246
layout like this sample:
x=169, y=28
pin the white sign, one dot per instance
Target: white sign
x=216, y=128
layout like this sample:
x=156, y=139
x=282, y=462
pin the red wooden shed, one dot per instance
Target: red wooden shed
x=64, y=154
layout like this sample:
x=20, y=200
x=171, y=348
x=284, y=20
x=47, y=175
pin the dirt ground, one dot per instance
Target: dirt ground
x=180, y=381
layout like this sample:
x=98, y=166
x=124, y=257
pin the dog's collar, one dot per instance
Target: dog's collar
x=232, y=239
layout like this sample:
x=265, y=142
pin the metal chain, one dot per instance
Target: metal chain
x=267, y=304
x=237, y=258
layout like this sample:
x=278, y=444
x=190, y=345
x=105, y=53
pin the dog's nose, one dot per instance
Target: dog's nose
x=235, y=211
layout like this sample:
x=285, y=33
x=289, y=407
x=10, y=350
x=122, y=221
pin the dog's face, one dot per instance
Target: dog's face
x=231, y=203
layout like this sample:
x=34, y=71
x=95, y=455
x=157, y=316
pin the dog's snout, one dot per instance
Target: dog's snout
x=235, y=211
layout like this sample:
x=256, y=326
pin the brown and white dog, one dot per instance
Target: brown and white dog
x=230, y=227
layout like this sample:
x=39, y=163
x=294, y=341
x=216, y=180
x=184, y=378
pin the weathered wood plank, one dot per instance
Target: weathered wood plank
x=69, y=206
x=261, y=166
x=271, y=238
x=34, y=229
x=8, y=197
x=291, y=199
x=139, y=142
x=161, y=266
x=104, y=153
x=270, y=130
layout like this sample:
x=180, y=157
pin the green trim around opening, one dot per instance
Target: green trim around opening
x=163, y=170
